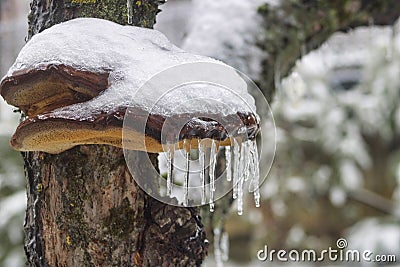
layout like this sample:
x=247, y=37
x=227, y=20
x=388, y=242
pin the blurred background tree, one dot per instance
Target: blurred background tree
x=13, y=25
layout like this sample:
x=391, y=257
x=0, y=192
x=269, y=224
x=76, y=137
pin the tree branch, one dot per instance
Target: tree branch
x=297, y=27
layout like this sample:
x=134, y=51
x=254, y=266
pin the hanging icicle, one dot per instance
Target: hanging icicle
x=129, y=9
x=228, y=161
x=247, y=160
x=241, y=174
x=255, y=173
x=170, y=159
x=236, y=163
x=202, y=163
x=213, y=163
x=186, y=148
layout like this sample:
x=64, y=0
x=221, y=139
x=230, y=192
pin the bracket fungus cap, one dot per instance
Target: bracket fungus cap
x=77, y=81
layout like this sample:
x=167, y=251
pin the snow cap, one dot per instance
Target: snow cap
x=77, y=80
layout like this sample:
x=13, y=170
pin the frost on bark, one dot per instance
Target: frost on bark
x=84, y=207
x=297, y=27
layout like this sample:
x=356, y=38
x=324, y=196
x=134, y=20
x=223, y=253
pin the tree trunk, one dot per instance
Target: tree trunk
x=84, y=207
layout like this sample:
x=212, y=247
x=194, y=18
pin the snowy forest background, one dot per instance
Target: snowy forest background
x=337, y=166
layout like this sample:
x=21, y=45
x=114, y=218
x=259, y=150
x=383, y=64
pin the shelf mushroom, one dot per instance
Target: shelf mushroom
x=77, y=81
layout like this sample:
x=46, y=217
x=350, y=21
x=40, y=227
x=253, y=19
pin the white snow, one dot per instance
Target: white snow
x=229, y=31
x=375, y=235
x=350, y=175
x=8, y=119
x=134, y=55
x=173, y=20
x=337, y=196
x=295, y=184
x=11, y=206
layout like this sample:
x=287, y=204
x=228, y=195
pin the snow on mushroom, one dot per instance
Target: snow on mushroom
x=77, y=81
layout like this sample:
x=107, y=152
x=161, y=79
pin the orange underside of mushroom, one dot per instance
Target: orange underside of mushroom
x=55, y=137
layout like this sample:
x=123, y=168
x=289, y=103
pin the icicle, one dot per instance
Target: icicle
x=186, y=148
x=228, y=161
x=240, y=196
x=129, y=8
x=252, y=166
x=202, y=160
x=255, y=173
x=170, y=159
x=213, y=163
x=247, y=160
x=236, y=163
x=241, y=175
x=224, y=245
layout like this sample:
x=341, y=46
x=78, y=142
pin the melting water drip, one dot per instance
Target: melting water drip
x=213, y=163
x=129, y=8
x=202, y=161
x=170, y=160
x=186, y=147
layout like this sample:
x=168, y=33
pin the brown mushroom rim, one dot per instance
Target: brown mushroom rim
x=51, y=134
x=48, y=87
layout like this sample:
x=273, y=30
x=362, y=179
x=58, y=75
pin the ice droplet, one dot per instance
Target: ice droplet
x=129, y=9
x=213, y=163
x=186, y=148
x=202, y=171
x=170, y=159
x=212, y=204
x=228, y=161
x=236, y=163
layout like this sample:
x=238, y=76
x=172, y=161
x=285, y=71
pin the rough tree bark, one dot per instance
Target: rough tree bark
x=297, y=27
x=84, y=208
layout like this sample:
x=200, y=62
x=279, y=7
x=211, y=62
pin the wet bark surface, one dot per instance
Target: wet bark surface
x=84, y=207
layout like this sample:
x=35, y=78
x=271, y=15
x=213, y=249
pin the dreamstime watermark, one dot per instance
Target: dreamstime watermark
x=339, y=254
